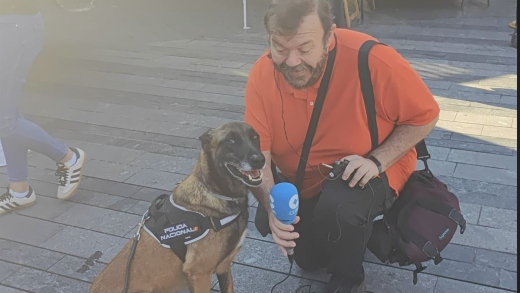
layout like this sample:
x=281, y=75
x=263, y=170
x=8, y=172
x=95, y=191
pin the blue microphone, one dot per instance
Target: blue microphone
x=284, y=204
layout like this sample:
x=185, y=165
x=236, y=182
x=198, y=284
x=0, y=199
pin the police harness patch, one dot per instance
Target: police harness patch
x=175, y=227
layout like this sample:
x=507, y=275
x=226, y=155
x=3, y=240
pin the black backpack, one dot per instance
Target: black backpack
x=424, y=217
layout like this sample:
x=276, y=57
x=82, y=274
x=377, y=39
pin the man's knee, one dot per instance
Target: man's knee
x=340, y=204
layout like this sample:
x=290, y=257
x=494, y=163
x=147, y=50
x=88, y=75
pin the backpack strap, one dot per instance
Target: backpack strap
x=368, y=96
x=318, y=105
x=369, y=101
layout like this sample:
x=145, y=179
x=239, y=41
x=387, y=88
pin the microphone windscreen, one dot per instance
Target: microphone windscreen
x=285, y=202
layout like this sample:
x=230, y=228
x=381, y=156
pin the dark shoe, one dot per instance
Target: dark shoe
x=342, y=285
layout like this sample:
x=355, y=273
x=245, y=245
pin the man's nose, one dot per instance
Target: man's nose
x=293, y=59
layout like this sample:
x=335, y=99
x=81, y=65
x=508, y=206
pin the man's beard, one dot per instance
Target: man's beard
x=300, y=82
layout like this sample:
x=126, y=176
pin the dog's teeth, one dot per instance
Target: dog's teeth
x=250, y=178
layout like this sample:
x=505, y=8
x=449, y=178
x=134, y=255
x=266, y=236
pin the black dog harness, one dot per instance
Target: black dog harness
x=175, y=227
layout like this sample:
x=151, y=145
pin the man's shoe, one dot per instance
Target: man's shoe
x=69, y=178
x=341, y=285
x=10, y=203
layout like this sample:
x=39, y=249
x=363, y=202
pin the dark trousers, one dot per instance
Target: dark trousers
x=335, y=227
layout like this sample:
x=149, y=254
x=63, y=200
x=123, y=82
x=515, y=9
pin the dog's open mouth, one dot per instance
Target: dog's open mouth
x=251, y=178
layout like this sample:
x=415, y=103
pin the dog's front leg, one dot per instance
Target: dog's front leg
x=199, y=282
x=225, y=281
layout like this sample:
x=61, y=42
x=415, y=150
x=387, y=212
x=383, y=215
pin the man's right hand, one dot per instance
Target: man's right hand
x=283, y=235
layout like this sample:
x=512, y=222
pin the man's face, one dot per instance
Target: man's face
x=301, y=58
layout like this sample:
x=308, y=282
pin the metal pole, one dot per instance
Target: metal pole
x=244, y=2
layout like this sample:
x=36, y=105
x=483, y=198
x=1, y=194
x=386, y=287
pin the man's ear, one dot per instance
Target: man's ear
x=206, y=138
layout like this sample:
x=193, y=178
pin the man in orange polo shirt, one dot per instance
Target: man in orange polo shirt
x=335, y=218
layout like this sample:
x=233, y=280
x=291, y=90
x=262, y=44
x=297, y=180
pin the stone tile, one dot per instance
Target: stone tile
x=506, y=142
x=474, y=273
x=22, y=229
x=459, y=253
x=386, y=279
x=47, y=208
x=439, y=167
x=515, y=123
x=39, y=281
x=497, y=259
x=499, y=132
x=139, y=208
x=84, y=243
x=471, y=212
x=509, y=280
x=439, y=153
x=94, y=198
x=109, y=170
x=247, y=279
x=448, y=115
x=156, y=179
x=506, y=201
x=123, y=205
x=165, y=163
x=486, y=174
x=509, y=100
x=483, y=147
x=484, y=119
x=7, y=269
x=109, y=187
x=499, y=218
x=483, y=159
x=98, y=219
x=459, y=127
x=5, y=289
x=263, y=255
x=440, y=134
x=78, y=268
x=453, y=286
x=103, y=152
x=487, y=238
x=28, y=255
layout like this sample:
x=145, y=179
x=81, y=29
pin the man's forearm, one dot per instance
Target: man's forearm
x=400, y=141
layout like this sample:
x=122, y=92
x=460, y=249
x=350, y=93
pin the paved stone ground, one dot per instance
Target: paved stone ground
x=137, y=103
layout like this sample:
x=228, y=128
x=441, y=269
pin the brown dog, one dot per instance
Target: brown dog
x=230, y=163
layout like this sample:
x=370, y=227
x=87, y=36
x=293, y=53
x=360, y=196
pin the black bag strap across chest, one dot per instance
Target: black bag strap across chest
x=176, y=227
x=313, y=124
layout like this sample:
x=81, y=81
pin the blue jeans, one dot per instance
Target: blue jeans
x=22, y=38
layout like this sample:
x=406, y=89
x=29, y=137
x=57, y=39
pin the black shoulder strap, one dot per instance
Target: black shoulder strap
x=318, y=105
x=368, y=96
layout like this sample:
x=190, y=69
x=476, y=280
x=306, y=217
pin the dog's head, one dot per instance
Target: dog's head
x=233, y=151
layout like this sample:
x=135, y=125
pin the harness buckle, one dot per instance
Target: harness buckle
x=213, y=224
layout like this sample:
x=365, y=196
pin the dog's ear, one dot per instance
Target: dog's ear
x=206, y=138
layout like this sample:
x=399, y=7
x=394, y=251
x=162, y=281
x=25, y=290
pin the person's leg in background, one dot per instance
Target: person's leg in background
x=22, y=39
x=343, y=219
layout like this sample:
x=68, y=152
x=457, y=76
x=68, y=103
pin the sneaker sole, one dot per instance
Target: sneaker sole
x=73, y=191
x=3, y=212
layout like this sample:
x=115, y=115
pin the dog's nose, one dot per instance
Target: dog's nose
x=257, y=161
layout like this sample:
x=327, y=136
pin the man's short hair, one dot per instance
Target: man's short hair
x=285, y=16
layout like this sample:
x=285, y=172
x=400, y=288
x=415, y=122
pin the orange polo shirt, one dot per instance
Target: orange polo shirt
x=401, y=97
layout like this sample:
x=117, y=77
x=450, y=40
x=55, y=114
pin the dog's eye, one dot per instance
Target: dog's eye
x=255, y=137
x=230, y=140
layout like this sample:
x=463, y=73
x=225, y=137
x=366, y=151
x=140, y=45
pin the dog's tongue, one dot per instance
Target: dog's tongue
x=254, y=173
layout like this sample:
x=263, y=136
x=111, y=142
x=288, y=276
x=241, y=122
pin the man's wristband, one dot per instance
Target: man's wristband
x=378, y=164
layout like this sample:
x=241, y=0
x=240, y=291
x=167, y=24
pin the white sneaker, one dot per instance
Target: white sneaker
x=10, y=203
x=69, y=178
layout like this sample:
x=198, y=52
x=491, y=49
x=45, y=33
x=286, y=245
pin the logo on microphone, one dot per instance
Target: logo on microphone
x=293, y=203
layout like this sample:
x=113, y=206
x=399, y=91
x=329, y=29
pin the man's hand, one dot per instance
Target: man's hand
x=283, y=235
x=364, y=170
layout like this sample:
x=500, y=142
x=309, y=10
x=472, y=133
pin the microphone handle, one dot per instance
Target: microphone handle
x=290, y=254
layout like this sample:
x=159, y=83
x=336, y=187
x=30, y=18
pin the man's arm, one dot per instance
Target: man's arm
x=283, y=235
x=398, y=143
